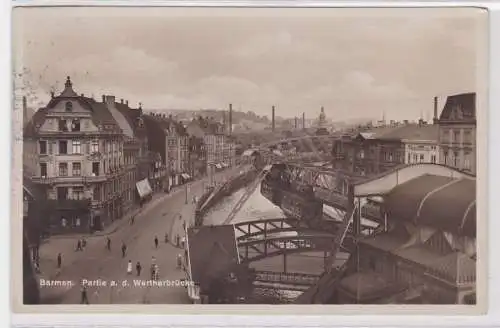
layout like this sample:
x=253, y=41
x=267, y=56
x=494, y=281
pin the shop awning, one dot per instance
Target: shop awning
x=185, y=176
x=143, y=188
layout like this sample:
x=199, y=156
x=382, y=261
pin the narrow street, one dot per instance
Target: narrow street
x=95, y=263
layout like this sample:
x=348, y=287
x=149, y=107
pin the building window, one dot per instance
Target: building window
x=96, y=195
x=43, y=169
x=75, y=125
x=43, y=147
x=62, y=193
x=409, y=158
x=467, y=161
x=63, y=169
x=77, y=169
x=456, y=136
x=69, y=106
x=455, y=159
x=94, y=146
x=422, y=158
x=467, y=137
x=95, y=168
x=77, y=147
x=433, y=159
x=63, y=147
x=415, y=158
x=63, y=127
x=78, y=193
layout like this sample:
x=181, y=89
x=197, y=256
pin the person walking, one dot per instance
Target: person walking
x=156, y=242
x=108, y=243
x=179, y=261
x=84, y=297
x=138, y=268
x=79, y=245
x=84, y=243
x=124, y=249
x=129, y=267
x=59, y=260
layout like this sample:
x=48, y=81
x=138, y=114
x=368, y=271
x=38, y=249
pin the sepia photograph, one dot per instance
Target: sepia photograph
x=249, y=156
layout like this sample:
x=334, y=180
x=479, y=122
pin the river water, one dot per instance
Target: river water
x=257, y=207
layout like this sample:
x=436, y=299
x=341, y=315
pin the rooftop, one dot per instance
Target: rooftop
x=440, y=202
x=212, y=251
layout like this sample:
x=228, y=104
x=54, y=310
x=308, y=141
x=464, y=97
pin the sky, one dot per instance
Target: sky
x=356, y=63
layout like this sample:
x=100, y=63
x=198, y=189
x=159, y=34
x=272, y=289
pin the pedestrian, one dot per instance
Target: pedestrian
x=184, y=225
x=124, y=250
x=84, y=297
x=108, y=243
x=84, y=242
x=132, y=220
x=79, y=245
x=59, y=260
x=156, y=241
x=138, y=268
x=179, y=261
x=129, y=267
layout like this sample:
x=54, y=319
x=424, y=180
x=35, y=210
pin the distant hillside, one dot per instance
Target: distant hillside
x=241, y=120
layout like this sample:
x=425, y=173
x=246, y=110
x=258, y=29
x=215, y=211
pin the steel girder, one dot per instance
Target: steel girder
x=263, y=228
x=328, y=186
x=255, y=250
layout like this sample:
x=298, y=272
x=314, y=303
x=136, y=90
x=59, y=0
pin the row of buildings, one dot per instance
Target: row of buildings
x=450, y=140
x=92, y=161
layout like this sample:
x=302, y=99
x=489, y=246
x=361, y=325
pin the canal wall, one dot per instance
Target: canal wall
x=214, y=195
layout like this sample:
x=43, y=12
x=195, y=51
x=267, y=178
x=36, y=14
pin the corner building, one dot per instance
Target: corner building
x=80, y=161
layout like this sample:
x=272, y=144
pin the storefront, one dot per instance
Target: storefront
x=185, y=177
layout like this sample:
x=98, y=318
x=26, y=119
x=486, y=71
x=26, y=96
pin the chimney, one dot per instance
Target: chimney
x=121, y=101
x=126, y=102
x=52, y=94
x=103, y=99
x=303, y=121
x=109, y=100
x=435, y=119
x=273, y=122
x=296, y=122
x=82, y=95
x=230, y=119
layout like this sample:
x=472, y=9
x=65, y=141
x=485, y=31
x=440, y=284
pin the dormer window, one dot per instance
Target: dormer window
x=69, y=106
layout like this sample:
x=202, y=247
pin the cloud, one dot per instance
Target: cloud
x=355, y=64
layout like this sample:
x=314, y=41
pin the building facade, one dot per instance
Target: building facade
x=168, y=138
x=457, y=132
x=80, y=161
x=367, y=153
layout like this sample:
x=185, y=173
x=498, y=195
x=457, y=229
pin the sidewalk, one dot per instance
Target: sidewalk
x=66, y=244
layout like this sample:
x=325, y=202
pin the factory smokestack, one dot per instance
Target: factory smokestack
x=273, y=119
x=303, y=121
x=296, y=122
x=230, y=119
x=435, y=119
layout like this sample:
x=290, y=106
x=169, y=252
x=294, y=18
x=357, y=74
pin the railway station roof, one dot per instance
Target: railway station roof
x=444, y=203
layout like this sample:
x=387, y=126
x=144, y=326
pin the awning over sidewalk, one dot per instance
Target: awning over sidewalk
x=143, y=188
x=185, y=176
